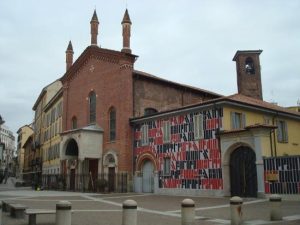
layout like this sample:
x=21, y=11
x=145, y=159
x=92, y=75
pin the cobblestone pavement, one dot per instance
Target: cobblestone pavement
x=106, y=209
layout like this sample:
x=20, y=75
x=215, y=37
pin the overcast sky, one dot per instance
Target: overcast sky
x=186, y=41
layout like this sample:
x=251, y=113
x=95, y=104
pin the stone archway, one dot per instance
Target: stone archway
x=110, y=166
x=72, y=153
x=72, y=148
x=146, y=179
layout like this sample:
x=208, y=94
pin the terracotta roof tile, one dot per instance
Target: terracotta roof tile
x=147, y=75
x=259, y=103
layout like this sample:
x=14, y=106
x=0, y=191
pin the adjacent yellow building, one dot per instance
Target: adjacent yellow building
x=23, y=134
x=52, y=127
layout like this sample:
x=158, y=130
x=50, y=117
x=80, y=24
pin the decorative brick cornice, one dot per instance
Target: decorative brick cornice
x=113, y=60
x=126, y=66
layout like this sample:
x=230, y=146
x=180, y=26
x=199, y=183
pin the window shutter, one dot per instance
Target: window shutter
x=279, y=131
x=243, y=120
x=201, y=131
x=196, y=127
x=232, y=116
x=285, y=132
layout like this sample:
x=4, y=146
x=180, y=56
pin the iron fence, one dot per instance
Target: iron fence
x=103, y=182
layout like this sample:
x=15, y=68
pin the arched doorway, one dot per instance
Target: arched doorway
x=72, y=153
x=243, y=175
x=148, y=176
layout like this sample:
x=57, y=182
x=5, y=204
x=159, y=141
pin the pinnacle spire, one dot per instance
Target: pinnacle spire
x=126, y=18
x=95, y=18
x=70, y=47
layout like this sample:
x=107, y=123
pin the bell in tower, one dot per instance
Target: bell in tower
x=248, y=73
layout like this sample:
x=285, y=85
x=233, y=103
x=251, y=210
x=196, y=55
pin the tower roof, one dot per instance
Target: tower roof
x=240, y=52
x=126, y=18
x=95, y=18
x=70, y=47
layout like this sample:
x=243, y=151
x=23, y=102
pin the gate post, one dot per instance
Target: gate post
x=275, y=207
x=129, y=216
x=187, y=212
x=63, y=213
x=236, y=210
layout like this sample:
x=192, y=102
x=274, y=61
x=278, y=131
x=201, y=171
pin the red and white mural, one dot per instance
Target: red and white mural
x=192, y=163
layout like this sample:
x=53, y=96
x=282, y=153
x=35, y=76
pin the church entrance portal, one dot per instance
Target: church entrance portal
x=148, y=180
x=243, y=175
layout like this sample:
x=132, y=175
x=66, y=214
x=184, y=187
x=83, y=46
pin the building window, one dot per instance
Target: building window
x=198, y=126
x=267, y=120
x=249, y=66
x=144, y=133
x=92, y=107
x=74, y=122
x=167, y=166
x=166, y=131
x=282, y=133
x=112, y=124
x=149, y=111
x=238, y=120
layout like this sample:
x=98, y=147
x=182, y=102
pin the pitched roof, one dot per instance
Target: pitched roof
x=260, y=104
x=236, y=99
x=150, y=76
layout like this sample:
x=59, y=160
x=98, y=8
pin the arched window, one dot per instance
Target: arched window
x=249, y=66
x=149, y=111
x=92, y=107
x=74, y=122
x=112, y=124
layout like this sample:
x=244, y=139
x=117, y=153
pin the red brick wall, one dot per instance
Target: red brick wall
x=110, y=77
x=149, y=93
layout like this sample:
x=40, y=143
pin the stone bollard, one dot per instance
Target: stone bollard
x=63, y=213
x=236, y=210
x=187, y=212
x=275, y=207
x=129, y=216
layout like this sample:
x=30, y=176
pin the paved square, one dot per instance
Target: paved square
x=106, y=209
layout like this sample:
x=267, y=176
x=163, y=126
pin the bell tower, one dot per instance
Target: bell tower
x=248, y=73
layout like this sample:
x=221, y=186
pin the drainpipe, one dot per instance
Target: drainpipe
x=274, y=136
x=271, y=144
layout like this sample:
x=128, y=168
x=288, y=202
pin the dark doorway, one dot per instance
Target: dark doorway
x=93, y=173
x=72, y=179
x=111, y=179
x=243, y=176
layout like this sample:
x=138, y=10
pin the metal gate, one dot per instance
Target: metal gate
x=243, y=175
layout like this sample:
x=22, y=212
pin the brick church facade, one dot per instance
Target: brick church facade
x=168, y=137
x=101, y=92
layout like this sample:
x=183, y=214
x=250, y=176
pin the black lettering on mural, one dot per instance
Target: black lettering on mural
x=208, y=134
x=203, y=173
x=215, y=173
x=205, y=153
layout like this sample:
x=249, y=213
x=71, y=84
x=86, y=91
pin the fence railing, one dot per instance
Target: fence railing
x=282, y=175
x=87, y=183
